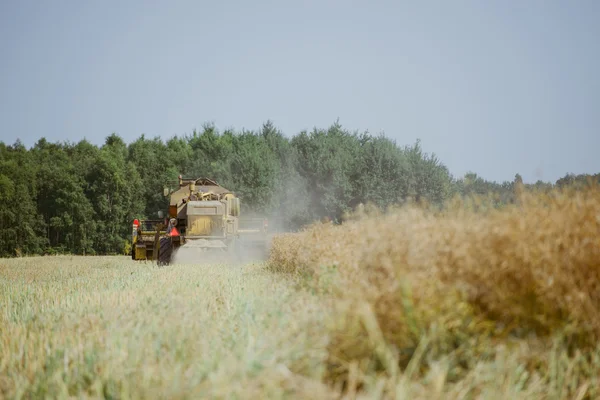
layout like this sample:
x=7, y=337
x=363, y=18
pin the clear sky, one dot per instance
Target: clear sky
x=494, y=87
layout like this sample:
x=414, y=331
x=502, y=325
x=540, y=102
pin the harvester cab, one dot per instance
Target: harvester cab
x=202, y=215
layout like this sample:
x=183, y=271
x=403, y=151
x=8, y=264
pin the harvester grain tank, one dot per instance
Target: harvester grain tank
x=202, y=215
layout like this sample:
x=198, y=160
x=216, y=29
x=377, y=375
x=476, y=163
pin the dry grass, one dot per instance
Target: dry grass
x=462, y=284
x=108, y=328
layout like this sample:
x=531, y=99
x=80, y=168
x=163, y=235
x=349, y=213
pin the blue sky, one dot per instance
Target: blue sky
x=495, y=87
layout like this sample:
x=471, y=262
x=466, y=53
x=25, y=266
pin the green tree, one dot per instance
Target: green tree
x=254, y=171
x=326, y=161
x=21, y=229
x=61, y=200
x=381, y=174
x=115, y=187
x=429, y=179
x=211, y=154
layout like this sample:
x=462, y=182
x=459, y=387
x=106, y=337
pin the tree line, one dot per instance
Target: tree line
x=81, y=198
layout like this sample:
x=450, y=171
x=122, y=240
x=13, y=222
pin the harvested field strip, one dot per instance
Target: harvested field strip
x=106, y=327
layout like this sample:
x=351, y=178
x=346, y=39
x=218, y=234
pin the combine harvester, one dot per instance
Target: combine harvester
x=203, y=219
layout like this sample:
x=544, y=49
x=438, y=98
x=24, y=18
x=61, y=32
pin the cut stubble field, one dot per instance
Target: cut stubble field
x=465, y=303
x=110, y=328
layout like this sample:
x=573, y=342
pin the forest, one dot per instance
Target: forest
x=79, y=198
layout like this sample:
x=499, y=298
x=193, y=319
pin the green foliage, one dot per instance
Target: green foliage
x=381, y=173
x=81, y=198
x=20, y=224
x=254, y=171
x=327, y=159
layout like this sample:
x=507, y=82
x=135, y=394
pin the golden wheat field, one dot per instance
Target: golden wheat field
x=465, y=303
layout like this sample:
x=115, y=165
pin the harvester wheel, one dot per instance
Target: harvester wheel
x=165, y=251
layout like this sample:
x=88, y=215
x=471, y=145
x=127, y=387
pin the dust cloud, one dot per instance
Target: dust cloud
x=242, y=253
x=296, y=203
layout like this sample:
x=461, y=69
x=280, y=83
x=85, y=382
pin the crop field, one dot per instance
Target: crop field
x=107, y=327
x=465, y=303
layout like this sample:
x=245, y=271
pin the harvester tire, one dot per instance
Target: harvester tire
x=165, y=251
